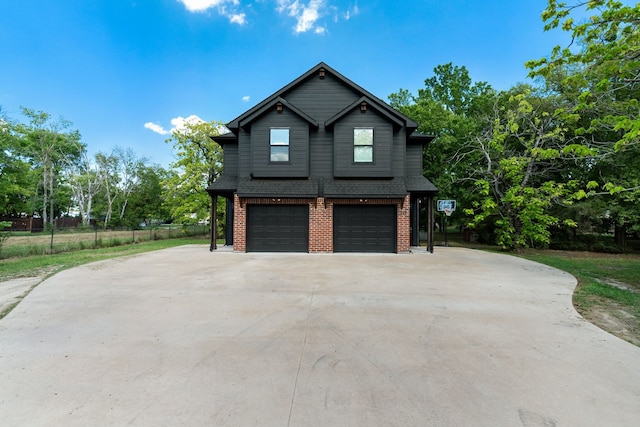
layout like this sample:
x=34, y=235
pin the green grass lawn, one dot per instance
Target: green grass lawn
x=613, y=277
x=50, y=264
x=607, y=283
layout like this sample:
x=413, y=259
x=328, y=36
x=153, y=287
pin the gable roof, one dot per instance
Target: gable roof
x=378, y=103
x=264, y=107
x=330, y=122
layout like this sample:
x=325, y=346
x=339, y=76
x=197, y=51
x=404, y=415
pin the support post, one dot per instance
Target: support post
x=214, y=225
x=430, y=221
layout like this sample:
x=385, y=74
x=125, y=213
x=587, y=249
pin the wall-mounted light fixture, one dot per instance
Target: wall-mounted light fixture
x=321, y=72
x=279, y=107
x=363, y=107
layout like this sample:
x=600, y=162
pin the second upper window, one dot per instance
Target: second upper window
x=363, y=145
x=279, y=145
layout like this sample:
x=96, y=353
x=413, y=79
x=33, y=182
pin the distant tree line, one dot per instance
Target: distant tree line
x=540, y=163
x=46, y=171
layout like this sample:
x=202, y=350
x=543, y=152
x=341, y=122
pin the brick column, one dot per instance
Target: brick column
x=239, y=225
x=320, y=226
x=404, y=225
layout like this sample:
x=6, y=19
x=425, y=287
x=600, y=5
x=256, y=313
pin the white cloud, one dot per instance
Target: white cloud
x=179, y=125
x=246, y=98
x=156, y=128
x=351, y=13
x=239, y=19
x=200, y=5
x=305, y=15
x=221, y=6
x=308, y=14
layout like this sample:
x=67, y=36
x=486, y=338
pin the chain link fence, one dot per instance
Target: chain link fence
x=66, y=239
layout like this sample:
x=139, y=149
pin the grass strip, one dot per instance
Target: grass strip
x=615, y=278
x=50, y=264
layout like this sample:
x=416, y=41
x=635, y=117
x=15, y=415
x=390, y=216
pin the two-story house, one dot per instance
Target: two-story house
x=322, y=165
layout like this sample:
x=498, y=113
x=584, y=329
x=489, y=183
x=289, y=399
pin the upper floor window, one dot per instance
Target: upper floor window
x=279, y=145
x=363, y=145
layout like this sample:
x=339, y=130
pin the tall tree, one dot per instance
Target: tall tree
x=145, y=201
x=601, y=69
x=199, y=162
x=84, y=180
x=16, y=178
x=50, y=144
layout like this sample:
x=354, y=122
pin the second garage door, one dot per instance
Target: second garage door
x=277, y=228
x=369, y=228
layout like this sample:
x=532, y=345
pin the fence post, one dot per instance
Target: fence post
x=133, y=235
x=95, y=240
x=51, y=247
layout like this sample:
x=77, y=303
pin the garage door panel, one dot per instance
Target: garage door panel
x=364, y=228
x=277, y=228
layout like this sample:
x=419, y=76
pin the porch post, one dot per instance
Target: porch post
x=430, y=223
x=214, y=224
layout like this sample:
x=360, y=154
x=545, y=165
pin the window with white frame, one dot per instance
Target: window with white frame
x=279, y=145
x=363, y=145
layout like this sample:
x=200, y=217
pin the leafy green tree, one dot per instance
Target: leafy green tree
x=199, y=162
x=145, y=203
x=50, y=145
x=17, y=182
x=452, y=108
x=600, y=70
x=84, y=180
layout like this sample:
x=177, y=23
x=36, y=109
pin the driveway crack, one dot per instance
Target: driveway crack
x=304, y=345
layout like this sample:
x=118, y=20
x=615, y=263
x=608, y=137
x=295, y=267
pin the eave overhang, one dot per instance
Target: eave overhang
x=271, y=105
x=368, y=103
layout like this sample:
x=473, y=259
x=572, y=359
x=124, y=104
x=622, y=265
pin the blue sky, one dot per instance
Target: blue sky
x=125, y=71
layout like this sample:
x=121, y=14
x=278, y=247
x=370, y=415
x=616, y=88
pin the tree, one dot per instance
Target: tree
x=145, y=201
x=50, y=144
x=605, y=66
x=601, y=68
x=16, y=178
x=450, y=107
x=500, y=154
x=523, y=148
x=199, y=161
x=84, y=179
x=119, y=173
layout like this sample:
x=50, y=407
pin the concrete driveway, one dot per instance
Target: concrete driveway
x=185, y=337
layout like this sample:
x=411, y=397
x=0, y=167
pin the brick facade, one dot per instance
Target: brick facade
x=320, y=226
x=239, y=225
x=404, y=225
x=321, y=220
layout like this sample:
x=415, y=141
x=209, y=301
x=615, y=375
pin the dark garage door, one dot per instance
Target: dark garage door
x=364, y=228
x=277, y=228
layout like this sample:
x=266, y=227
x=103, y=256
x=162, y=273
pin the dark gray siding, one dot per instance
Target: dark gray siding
x=321, y=152
x=230, y=160
x=414, y=160
x=298, y=165
x=399, y=153
x=244, y=153
x=344, y=166
x=322, y=99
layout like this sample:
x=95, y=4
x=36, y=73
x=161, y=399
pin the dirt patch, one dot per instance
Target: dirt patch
x=613, y=318
x=12, y=291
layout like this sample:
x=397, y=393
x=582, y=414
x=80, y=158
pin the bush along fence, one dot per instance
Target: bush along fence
x=66, y=239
